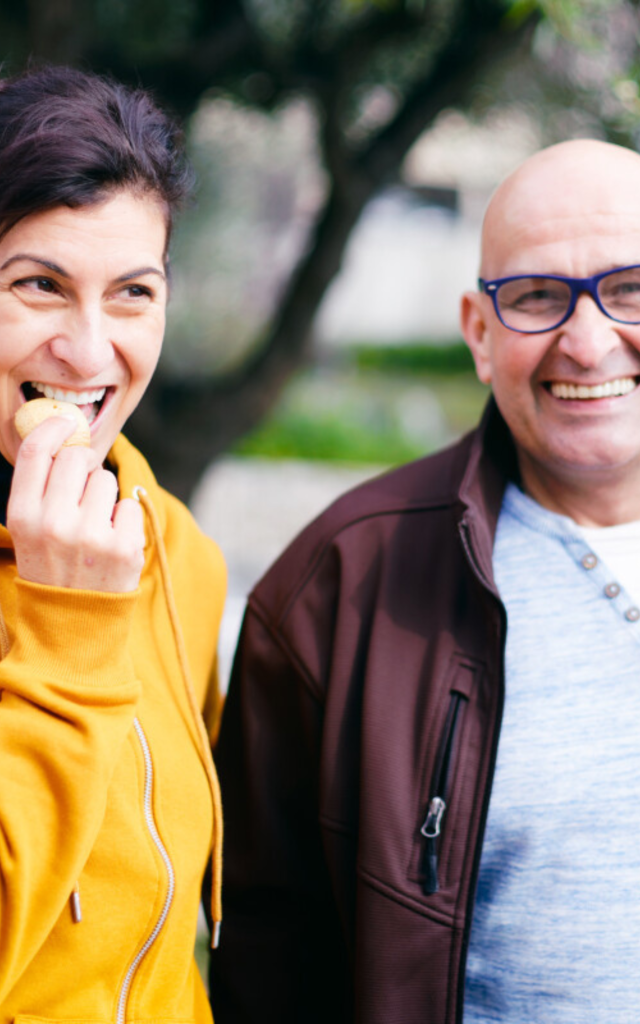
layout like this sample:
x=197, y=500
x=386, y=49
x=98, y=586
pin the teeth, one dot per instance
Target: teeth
x=612, y=389
x=77, y=397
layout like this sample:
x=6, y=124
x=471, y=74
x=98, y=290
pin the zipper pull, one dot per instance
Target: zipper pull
x=433, y=822
x=431, y=830
x=76, y=909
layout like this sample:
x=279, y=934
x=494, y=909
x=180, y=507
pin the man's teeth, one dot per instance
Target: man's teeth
x=77, y=397
x=612, y=389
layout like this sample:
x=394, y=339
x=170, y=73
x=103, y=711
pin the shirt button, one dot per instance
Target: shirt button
x=632, y=614
x=612, y=589
x=589, y=561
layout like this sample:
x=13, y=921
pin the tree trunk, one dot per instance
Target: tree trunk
x=182, y=426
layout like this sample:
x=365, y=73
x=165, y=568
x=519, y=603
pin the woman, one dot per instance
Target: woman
x=110, y=605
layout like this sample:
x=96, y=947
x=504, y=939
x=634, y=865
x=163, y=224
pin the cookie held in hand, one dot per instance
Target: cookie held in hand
x=32, y=413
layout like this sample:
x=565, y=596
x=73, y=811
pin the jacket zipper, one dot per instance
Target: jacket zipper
x=467, y=543
x=437, y=807
x=151, y=825
x=464, y=530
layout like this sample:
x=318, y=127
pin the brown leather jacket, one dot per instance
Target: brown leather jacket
x=367, y=690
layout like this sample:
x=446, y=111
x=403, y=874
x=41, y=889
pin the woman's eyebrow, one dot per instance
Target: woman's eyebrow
x=35, y=259
x=140, y=273
x=56, y=269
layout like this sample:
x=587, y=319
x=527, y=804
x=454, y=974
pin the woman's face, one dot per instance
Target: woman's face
x=83, y=295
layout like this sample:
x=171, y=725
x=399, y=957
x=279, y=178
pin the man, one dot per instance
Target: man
x=432, y=813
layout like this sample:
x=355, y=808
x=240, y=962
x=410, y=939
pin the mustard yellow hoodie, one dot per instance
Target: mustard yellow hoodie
x=106, y=782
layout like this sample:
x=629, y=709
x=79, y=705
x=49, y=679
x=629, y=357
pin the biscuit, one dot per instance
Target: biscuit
x=32, y=413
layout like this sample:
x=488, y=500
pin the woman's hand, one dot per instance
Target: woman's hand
x=66, y=524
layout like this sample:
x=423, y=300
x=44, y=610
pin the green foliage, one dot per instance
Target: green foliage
x=444, y=359
x=382, y=405
x=572, y=18
x=329, y=438
x=385, y=5
x=147, y=29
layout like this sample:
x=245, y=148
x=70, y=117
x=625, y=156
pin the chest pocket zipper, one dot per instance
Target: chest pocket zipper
x=440, y=785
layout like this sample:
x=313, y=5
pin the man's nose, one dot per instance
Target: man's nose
x=84, y=343
x=589, y=334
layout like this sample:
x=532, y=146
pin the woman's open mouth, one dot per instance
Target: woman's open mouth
x=89, y=401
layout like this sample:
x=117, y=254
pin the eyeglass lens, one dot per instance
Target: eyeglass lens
x=539, y=303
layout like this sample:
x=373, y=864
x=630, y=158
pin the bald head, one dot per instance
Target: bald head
x=575, y=189
x=569, y=390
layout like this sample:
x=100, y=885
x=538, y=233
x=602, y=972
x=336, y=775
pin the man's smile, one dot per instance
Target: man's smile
x=610, y=389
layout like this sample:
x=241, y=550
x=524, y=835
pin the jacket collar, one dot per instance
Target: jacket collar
x=490, y=465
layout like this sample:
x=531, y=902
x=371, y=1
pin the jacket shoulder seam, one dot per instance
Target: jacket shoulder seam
x=285, y=648
x=327, y=542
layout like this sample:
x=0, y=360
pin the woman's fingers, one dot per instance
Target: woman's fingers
x=64, y=521
x=98, y=496
x=71, y=471
x=35, y=458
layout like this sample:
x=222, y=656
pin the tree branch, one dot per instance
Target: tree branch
x=449, y=82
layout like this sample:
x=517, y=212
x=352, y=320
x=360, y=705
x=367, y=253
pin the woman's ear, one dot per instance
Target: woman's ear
x=476, y=332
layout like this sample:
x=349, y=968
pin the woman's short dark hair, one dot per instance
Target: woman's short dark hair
x=69, y=137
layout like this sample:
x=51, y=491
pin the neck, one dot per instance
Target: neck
x=590, y=499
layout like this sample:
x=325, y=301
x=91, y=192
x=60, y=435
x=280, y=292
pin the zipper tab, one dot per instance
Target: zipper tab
x=76, y=908
x=431, y=830
x=433, y=821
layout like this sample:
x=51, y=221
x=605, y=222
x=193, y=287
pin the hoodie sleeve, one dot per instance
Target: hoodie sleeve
x=68, y=699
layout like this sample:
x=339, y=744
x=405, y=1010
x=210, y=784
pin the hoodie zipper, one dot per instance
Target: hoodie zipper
x=153, y=831
x=432, y=825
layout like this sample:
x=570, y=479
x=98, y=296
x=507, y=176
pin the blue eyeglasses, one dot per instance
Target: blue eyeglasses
x=533, y=303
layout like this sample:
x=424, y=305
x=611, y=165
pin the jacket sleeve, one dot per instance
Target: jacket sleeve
x=68, y=698
x=282, y=958
x=213, y=705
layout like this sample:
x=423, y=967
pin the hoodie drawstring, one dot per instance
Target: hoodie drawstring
x=4, y=637
x=140, y=495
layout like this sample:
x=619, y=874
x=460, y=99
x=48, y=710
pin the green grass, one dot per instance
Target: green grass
x=297, y=436
x=373, y=405
x=445, y=358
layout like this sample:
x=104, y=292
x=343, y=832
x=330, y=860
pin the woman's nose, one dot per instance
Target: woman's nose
x=84, y=344
x=589, y=334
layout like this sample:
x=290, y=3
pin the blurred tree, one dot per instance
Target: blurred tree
x=376, y=73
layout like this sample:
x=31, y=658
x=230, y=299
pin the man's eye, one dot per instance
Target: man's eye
x=535, y=297
x=539, y=295
x=624, y=288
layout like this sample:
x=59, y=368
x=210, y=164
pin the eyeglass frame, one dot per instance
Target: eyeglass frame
x=577, y=285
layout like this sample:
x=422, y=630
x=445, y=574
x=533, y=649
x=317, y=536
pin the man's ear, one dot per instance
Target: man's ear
x=476, y=333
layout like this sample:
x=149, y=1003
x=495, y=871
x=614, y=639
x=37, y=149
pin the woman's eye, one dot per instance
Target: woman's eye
x=38, y=284
x=138, y=291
